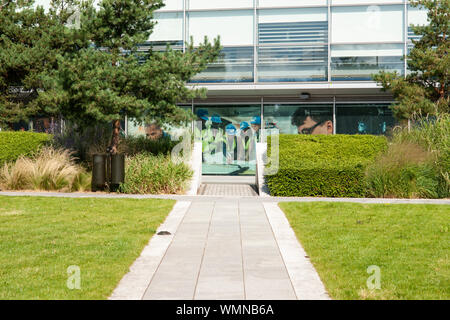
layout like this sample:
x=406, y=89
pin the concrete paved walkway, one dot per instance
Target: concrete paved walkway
x=224, y=250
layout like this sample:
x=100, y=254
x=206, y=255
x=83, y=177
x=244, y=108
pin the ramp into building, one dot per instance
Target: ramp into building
x=228, y=186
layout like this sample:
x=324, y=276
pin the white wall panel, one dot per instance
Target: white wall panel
x=169, y=27
x=291, y=3
x=367, y=24
x=234, y=27
x=219, y=4
x=417, y=16
x=173, y=5
x=353, y=2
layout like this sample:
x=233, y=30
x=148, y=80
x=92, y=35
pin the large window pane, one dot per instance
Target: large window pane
x=299, y=119
x=168, y=28
x=234, y=65
x=359, y=62
x=292, y=63
x=293, y=45
x=367, y=24
x=219, y=4
x=291, y=3
x=229, y=133
x=364, y=119
x=234, y=27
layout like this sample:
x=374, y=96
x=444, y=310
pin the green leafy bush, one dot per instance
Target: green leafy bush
x=15, y=144
x=320, y=165
x=149, y=174
x=134, y=145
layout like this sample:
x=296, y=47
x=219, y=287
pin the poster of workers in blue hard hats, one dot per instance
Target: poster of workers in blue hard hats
x=229, y=138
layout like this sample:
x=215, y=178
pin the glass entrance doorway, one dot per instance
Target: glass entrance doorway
x=229, y=134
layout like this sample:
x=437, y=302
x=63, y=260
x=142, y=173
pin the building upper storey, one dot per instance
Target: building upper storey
x=293, y=40
x=273, y=41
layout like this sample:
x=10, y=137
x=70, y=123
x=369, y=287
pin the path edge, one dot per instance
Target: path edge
x=304, y=277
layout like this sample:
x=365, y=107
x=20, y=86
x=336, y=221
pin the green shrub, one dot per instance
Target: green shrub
x=149, y=174
x=134, y=145
x=21, y=143
x=320, y=165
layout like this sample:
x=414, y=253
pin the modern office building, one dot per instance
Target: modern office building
x=286, y=60
x=301, y=66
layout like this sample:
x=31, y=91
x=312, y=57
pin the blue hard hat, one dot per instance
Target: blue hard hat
x=256, y=120
x=231, y=129
x=216, y=119
x=202, y=114
x=244, y=125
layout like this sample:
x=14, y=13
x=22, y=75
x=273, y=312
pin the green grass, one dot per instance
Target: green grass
x=41, y=237
x=410, y=244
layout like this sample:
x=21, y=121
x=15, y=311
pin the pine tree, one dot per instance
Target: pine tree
x=424, y=91
x=109, y=80
x=30, y=42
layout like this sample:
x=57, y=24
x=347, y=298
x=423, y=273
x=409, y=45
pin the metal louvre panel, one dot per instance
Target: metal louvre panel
x=293, y=51
x=293, y=32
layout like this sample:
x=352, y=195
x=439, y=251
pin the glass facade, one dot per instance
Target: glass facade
x=272, y=41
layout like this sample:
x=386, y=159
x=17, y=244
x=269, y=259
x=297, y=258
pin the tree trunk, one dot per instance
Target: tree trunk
x=115, y=137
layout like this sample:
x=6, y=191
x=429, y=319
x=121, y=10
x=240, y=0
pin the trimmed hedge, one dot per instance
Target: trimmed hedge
x=14, y=144
x=321, y=165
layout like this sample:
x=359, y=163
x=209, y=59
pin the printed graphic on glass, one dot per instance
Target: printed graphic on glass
x=229, y=135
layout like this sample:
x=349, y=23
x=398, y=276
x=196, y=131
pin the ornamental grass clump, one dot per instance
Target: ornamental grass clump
x=416, y=164
x=406, y=170
x=149, y=174
x=48, y=170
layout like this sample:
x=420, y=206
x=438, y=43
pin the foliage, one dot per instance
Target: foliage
x=425, y=90
x=417, y=163
x=20, y=143
x=94, y=140
x=93, y=73
x=50, y=170
x=134, y=145
x=149, y=174
x=321, y=165
x=408, y=242
x=40, y=237
x=404, y=171
x=31, y=40
x=102, y=85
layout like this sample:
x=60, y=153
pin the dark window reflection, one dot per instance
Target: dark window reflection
x=364, y=119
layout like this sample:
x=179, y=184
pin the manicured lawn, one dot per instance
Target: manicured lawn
x=410, y=244
x=41, y=237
